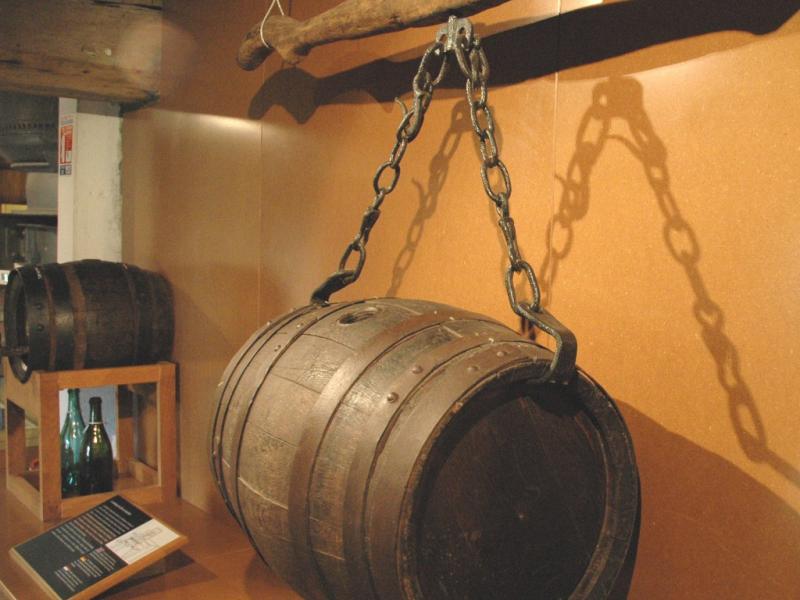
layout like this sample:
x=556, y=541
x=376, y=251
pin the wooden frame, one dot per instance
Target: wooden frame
x=37, y=399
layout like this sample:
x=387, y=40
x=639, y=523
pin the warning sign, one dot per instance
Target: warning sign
x=65, y=137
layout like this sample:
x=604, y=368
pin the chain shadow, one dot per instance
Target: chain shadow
x=520, y=50
x=622, y=98
x=429, y=194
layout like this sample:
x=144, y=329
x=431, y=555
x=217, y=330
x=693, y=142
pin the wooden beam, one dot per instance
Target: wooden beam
x=81, y=49
x=145, y=3
x=349, y=20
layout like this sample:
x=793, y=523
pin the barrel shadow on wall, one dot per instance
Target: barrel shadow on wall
x=621, y=98
x=693, y=501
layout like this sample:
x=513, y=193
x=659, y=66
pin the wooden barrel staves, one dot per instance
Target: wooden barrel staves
x=86, y=314
x=398, y=449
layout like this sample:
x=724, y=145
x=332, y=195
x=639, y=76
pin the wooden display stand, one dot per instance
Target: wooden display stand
x=37, y=399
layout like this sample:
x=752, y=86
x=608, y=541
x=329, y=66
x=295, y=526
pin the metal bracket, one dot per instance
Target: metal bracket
x=449, y=34
x=562, y=367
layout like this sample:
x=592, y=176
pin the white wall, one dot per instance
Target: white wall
x=89, y=196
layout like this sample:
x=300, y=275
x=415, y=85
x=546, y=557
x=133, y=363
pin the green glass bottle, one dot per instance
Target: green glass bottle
x=71, y=440
x=96, y=461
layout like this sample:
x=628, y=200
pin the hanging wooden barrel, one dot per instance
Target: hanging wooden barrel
x=86, y=314
x=398, y=449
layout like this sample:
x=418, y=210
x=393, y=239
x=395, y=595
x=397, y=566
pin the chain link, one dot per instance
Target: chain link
x=475, y=67
x=459, y=39
x=423, y=84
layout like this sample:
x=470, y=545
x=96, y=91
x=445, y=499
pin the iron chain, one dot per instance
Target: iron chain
x=475, y=67
x=457, y=38
x=425, y=80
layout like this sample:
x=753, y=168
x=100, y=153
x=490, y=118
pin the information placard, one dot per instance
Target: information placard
x=96, y=550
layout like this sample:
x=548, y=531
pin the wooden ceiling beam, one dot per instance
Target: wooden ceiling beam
x=82, y=49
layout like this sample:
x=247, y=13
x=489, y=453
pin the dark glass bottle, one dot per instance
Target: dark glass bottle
x=97, y=461
x=71, y=441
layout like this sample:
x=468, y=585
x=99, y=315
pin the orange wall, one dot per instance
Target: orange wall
x=653, y=147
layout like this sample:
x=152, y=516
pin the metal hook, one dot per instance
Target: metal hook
x=448, y=34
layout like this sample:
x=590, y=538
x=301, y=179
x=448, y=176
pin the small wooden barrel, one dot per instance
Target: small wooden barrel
x=399, y=449
x=86, y=314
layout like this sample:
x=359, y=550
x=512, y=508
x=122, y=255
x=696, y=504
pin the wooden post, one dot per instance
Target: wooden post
x=49, y=449
x=125, y=400
x=167, y=426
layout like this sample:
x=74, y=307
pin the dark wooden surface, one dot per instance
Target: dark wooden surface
x=503, y=496
x=341, y=446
